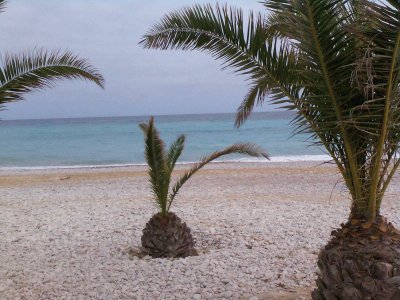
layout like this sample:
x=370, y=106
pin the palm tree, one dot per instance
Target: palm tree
x=26, y=72
x=336, y=64
x=165, y=235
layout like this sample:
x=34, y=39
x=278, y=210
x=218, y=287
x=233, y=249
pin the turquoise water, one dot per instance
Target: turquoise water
x=119, y=141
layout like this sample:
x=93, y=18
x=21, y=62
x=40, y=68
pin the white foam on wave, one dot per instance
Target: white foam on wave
x=297, y=158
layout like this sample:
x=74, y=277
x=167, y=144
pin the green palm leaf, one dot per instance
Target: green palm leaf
x=162, y=164
x=175, y=151
x=326, y=55
x=381, y=83
x=281, y=64
x=157, y=162
x=246, y=47
x=21, y=74
x=2, y=5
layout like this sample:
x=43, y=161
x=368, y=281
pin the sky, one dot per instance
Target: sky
x=137, y=81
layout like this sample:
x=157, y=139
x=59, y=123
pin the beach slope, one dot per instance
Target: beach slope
x=75, y=233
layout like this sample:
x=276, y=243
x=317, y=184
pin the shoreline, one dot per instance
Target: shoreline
x=276, y=159
x=29, y=177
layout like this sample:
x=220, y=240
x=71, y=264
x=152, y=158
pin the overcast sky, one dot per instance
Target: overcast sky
x=138, y=81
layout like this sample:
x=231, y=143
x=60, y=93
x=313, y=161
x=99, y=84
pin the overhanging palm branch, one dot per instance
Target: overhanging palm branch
x=161, y=163
x=26, y=72
x=246, y=47
x=268, y=61
x=23, y=73
x=158, y=164
x=2, y=5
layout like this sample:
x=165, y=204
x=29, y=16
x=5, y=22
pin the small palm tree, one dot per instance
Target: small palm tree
x=337, y=64
x=165, y=235
x=24, y=73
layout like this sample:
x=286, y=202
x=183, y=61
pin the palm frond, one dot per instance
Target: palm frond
x=23, y=73
x=380, y=67
x=278, y=20
x=157, y=163
x=247, y=149
x=2, y=5
x=220, y=32
x=255, y=96
x=246, y=47
x=282, y=64
x=175, y=151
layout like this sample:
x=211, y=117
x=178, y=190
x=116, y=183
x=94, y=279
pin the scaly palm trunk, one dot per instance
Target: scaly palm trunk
x=167, y=236
x=361, y=261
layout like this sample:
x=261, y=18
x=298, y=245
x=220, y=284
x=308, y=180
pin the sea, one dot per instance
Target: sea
x=118, y=141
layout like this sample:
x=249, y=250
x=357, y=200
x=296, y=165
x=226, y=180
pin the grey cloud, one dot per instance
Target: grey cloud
x=138, y=81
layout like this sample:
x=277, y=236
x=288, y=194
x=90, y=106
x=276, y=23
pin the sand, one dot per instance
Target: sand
x=68, y=234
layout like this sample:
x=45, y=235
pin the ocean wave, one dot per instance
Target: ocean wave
x=293, y=158
x=277, y=159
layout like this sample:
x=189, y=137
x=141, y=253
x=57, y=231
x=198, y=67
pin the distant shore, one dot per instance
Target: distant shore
x=68, y=233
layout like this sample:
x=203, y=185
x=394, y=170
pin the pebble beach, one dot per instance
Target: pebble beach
x=75, y=233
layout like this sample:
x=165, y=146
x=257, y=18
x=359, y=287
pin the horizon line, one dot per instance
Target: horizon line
x=142, y=116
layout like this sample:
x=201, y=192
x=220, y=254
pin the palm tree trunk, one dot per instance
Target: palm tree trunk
x=167, y=236
x=361, y=261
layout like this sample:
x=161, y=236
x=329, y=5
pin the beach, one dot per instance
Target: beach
x=74, y=233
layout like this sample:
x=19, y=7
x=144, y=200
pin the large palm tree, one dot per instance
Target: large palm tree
x=26, y=72
x=165, y=235
x=336, y=64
